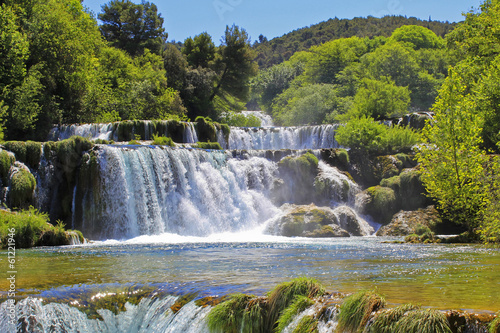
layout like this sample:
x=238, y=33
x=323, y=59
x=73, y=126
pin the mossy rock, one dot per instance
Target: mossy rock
x=381, y=203
x=327, y=231
x=336, y=157
x=125, y=130
x=208, y=145
x=298, y=173
x=22, y=187
x=7, y=160
x=28, y=152
x=176, y=130
x=206, y=130
x=386, y=166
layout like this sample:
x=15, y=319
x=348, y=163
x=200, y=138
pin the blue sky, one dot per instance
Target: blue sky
x=274, y=18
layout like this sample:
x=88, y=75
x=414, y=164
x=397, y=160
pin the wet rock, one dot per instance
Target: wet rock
x=407, y=222
x=379, y=202
x=349, y=221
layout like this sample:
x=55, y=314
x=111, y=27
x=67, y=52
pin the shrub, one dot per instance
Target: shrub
x=355, y=310
x=32, y=228
x=163, y=141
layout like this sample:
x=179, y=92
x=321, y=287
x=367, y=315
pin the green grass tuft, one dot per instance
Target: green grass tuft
x=356, y=310
x=22, y=187
x=308, y=324
x=285, y=293
x=163, y=141
x=227, y=317
x=423, y=321
x=299, y=304
x=385, y=321
x=494, y=326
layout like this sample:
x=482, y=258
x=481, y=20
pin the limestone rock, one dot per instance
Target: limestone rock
x=406, y=222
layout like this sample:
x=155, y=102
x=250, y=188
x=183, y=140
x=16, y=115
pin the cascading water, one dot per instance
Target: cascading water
x=272, y=138
x=153, y=190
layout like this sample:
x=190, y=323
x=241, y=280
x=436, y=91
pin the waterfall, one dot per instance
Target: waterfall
x=265, y=119
x=153, y=190
x=93, y=131
x=273, y=138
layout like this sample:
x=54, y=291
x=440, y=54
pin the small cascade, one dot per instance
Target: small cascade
x=273, y=138
x=93, y=131
x=265, y=119
x=336, y=186
x=153, y=190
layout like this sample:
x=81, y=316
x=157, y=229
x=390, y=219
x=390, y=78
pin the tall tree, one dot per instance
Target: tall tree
x=132, y=27
x=234, y=65
x=200, y=51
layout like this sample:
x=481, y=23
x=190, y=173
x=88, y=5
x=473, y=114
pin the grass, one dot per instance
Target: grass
x=299, y=304
x=385, y=321
x=284, y=294
x=32, y=228
x=423, y=321
x=355, y=310
x=494, y=326
x=308, y=324
x=227, y=316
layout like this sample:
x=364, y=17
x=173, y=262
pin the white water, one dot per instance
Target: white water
x=152, y=190
x=265, y=119
x=273, y=138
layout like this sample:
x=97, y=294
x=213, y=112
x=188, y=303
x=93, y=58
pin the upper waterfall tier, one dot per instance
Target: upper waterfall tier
x=273, y=138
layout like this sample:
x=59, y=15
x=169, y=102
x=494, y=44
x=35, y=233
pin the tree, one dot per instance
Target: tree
x=416, y=37
x=452, y=161
x=132, y=27
x=234, y=65
x=200, y=51
x=380, y=99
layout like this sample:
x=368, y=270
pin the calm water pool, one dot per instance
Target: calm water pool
x=441, y=276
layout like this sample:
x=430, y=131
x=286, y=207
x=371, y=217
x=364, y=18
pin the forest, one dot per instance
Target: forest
x=59, y=66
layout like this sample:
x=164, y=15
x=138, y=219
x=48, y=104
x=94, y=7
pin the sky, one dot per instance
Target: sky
x=274, y=18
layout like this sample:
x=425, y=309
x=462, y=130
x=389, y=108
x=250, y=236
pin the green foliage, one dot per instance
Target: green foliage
x=379, y=100
x=365, y=134
x=208, y=145
x=240, y=120
x=28, y=152
x=132, y=27
x=305, y=164
x=163, y=141
x=382, y=203
x=299, y=304
x=494, y=326
x=282, y=48
x=308, y=324
x=416, y=37
x=423, y=321
x=32, y=228
x=355, y=310
x=207, y=132
x=385, y=321
x=227, y=316
x=283, y=295
x=200, y=51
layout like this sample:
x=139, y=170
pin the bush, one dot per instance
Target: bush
x=163, y=141
x=365, y=134
x=355, y=310
x=32, y=228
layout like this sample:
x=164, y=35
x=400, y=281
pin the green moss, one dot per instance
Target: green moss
x=28, y=152
x=22, y=186
x=385, y=321
x=343, y=156
x=18, y=148
x=394, y=183
x=206, y=129
x=6, y=161
x=125, y=130
x=208, y=145
x=355, y=310
x=176, y=129
x=308, y=324
x=299, y=304
x=163, y=141
x=423, y=321
x=181, y=301
x=305, y=164
x=283, y=295
x=382, y=204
